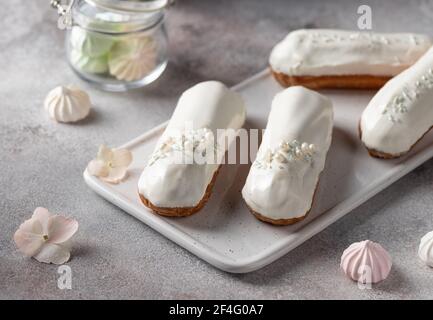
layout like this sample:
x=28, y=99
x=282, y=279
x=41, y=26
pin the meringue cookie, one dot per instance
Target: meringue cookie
x=132, y=59
x=366, y=261
x=88, y=64
x=90, y=44
x=67, y=104
x=425, y=251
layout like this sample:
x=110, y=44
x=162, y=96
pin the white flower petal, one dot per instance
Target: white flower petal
x=104, y=154
x=98, y=168
x=121, y=158
x=116, y=175
x=61, y=229
x=42, y=215
x=53, y=253
x=28, y=237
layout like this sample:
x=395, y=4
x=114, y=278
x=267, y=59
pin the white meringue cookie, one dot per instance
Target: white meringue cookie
x=425, y=251
x=132, y=59
x=366, y=261
x=67, y=104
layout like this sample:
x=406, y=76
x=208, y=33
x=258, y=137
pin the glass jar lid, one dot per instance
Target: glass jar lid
x=118, y=16
x=132, y=5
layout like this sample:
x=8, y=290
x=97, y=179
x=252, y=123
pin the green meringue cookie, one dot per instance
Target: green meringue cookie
x=90, y=43
x=88, y=64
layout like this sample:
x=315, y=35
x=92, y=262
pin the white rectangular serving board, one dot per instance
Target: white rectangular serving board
x=224, y=233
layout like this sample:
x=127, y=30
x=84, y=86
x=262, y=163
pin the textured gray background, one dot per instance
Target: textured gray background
x=116, y=256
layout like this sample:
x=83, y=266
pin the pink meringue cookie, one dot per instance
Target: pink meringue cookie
x=366, y=261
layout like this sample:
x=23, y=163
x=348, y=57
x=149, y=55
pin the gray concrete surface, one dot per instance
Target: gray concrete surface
x=116, y=256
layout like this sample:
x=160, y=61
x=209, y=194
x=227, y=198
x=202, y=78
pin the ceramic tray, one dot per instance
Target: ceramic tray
x=224, y=233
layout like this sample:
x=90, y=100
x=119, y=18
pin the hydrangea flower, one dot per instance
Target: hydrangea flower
x=44, y=235
x=110, y=165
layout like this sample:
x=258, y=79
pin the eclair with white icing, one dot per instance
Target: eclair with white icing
x=400, y=113
x=325, y=58
x=178, y=179
x=282, y=181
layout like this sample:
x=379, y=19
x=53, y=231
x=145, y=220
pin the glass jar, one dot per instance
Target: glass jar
x=116, y=44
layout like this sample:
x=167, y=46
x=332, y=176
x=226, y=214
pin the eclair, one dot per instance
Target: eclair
x=282, y=180
x=400, y=113
x=178, y=179
x=324, y=58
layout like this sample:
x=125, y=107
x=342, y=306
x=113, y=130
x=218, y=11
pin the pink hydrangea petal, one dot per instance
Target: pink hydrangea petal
x=104, y=154
x=98, y=168
x=61, y=229
x=121, y=158
x=28, y=237
x=116, y=175
x=52, y=253
x=42, y=215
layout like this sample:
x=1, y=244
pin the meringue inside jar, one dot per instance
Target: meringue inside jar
x=116, y=48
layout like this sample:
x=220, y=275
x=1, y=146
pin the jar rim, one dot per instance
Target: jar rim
x=132, y=5
x=101, y=19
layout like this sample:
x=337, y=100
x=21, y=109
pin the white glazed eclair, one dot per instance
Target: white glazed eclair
x=401, y=112
x=172, y=183
x=325, y=58
x=282, y=180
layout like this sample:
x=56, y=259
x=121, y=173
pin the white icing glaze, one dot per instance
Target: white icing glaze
x=316, y=52
x=67, y=104
x=207, y=106
x=401, y=111
x=282, y=185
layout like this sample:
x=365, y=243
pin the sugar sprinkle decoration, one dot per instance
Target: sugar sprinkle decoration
x=286, y=153
x=399, y=105
x=188, y=143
